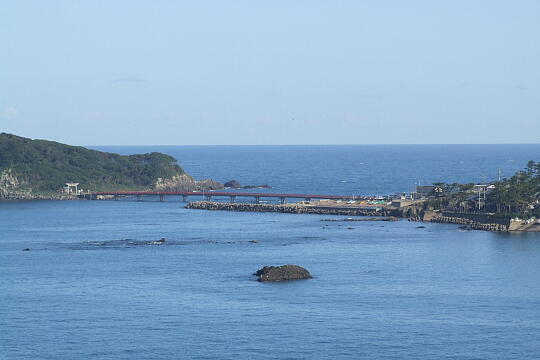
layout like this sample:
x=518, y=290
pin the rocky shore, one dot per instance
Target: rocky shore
x=280, y=208
x=11, y=188
x=185, y=182
x=32, y=196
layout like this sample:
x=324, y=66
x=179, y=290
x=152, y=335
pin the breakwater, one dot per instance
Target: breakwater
x=475, y=225
x=283, y=208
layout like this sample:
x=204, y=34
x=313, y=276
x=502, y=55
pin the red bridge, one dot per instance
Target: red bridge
x=210, y=194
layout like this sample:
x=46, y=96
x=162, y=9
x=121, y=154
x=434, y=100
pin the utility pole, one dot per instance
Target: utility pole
x=479, y=198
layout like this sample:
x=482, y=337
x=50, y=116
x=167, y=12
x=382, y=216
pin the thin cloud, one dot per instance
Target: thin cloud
x=370, y=96
x=9, y=113
x=129, y=80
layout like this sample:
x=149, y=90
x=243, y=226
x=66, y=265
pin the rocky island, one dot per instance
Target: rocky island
x=282, y=273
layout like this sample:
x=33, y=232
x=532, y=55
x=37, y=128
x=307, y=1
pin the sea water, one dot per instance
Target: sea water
x=95, y=285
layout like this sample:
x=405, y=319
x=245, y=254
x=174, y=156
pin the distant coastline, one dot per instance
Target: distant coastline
x=46, y=170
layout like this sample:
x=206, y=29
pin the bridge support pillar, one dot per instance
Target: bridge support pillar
x=115, y=197
x=282, y=200
x=184, y=198
x=139, y=197
x=161, y=197
x=257, y=199
x=233, y=198
x=208, y=197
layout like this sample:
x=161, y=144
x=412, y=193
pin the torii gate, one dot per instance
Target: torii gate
x=70, y=186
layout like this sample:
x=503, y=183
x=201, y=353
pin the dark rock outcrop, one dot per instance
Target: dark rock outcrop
x=263, y=186
x=185, y=182
x=282, y=273
x=232, y=184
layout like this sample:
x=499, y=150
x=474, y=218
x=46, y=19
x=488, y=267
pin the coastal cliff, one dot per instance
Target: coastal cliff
x=185, y=182
x=10, y=187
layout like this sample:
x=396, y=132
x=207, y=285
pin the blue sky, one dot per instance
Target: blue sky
x=271, y=72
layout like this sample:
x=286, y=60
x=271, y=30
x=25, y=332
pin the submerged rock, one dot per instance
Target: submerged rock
x=158, y=242
x=26, y=249
x=282, y=273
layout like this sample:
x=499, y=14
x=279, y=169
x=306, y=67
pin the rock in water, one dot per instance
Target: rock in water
x=158, y=242
x=232, y=184
x=282, y=273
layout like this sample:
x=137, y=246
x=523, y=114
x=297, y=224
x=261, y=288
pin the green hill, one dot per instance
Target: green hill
x=45, y=166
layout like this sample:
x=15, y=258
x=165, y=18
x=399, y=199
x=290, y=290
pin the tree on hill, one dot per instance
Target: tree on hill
x=518, y=194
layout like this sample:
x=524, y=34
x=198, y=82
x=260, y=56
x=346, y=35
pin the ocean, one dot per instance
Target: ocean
x=94, y=286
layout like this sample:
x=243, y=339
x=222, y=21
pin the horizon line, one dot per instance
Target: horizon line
x=378, y=144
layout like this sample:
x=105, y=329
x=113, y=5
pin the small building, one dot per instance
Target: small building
x=426, y=191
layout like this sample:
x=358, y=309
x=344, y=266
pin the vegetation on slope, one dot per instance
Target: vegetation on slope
x=518, y=196
x=46, y=166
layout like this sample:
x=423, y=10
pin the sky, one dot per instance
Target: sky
x=271, y=72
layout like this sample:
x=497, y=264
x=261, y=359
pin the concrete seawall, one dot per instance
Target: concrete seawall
x=283, y=208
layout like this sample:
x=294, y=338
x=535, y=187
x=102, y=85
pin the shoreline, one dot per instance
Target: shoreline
x=38, y=197
x=469, y=221
x=473, y=221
